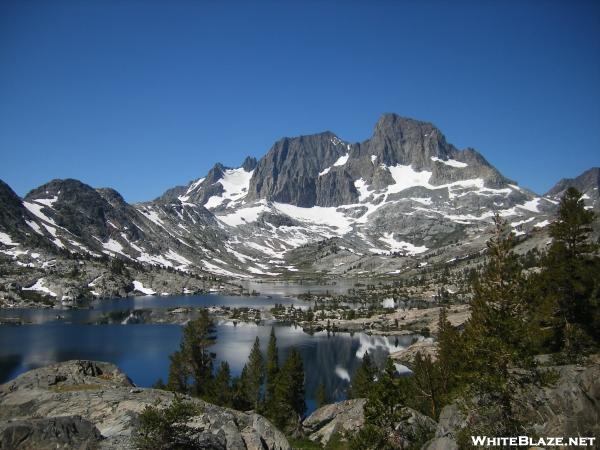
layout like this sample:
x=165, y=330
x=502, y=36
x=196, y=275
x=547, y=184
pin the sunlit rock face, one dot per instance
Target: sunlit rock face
x=89, y=404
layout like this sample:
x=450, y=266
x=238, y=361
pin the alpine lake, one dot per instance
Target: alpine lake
x=142, y=350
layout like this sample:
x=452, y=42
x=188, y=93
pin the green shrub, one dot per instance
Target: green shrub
x=160, y=428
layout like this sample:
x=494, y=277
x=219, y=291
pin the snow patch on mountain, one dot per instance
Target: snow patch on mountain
x=407, y=177
x=319, y=215
x=47, y=201
x=542, y=224
x=39, y=286
x=243, y=215
x=363, y=189
x=54, y=234
x=450, y=162
x=6, y=239
x=401, y=246
x=212, y=268
x=138, y=286
x=185, y=197
x=36, y=210
x=531, y=205
x=35, y=227
x=152, y=215
x=341, y=161
x=235, y=184
x=113, y=246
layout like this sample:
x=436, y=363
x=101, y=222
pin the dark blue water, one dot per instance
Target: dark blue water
x=142, y=351
x=98, y=308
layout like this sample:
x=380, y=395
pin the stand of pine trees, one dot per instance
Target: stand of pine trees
x=274, y=391
x=516, y=314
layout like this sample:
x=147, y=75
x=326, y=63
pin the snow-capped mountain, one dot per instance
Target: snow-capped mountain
x=403, y=198
x=588, y=183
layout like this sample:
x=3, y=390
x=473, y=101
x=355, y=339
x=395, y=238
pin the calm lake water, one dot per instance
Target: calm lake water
x=142, y=351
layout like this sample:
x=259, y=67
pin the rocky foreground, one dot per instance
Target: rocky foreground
x=568, y=406
x=93, y=405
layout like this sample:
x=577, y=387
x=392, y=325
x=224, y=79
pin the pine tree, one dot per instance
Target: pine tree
x=222, y=394
x=179, y=373
x=363, y=379
x=496, y=336
x=198, y=337
x=570, y=280
x=449, y=358
x=289, y=404
x=252, y=377
x=191, y=368
x=272, y=367
x=427, y=385
x=386, y=398
x=321, y=395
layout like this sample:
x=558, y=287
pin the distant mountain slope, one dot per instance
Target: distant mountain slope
x=313, y=204
x=588, y=183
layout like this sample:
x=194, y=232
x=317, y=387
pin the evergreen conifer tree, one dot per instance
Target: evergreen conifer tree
x=179, y=373
x=272, y=368
x=449, y=358
x=253, y=376
x=222, y=392
x=570, y=282
x=496, y=336
x=387, y=396
x=191, y=368
x=289, y=405
x=427, y=385
x=198, y=337
x=321, y=395
x=363, y=379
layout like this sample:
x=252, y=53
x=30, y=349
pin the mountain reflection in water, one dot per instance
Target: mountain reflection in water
x=142, y=351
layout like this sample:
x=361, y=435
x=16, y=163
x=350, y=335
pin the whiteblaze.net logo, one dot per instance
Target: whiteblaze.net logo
x=526, y=441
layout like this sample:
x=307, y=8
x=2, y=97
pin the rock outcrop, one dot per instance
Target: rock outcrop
x=345, y=417
x=568, y=407
x=71, y=432
x=426, y=347
x=88, y=404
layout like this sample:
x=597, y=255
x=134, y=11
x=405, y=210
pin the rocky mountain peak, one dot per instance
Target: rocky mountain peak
x=588, y=183
x=249, y=163
x=215, y=174
x=404, y=141
x=75, y=206
x=391, y=123
x=57, y=188
x=11, y=211
x=288, y=172
x=8, y=197
x=112, y=196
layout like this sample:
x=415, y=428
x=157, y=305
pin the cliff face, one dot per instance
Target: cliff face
x=87, y=404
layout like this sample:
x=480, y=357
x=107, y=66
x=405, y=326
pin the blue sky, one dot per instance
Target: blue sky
x=145, y=95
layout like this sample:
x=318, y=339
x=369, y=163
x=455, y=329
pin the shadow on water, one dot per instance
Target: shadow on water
x=9, y=365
